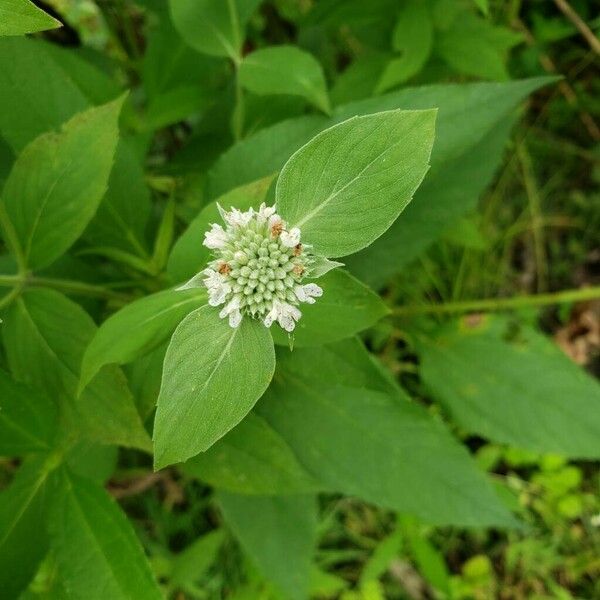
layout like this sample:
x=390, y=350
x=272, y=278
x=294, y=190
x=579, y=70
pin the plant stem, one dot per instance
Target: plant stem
x=64, y=285
x=535, y=211
x=11, y=238
x=498, y=304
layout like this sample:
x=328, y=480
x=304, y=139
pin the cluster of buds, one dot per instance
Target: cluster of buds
x=258, y=268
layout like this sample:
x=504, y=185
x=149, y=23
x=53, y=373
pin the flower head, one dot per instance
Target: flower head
x=258, y=268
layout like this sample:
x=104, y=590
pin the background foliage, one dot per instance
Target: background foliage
x=448, y=451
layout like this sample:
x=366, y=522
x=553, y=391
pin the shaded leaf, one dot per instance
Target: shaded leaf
x=285, y=70
x=276, y=532
x=251, y=459
x=346, y=307
x=98, y=552
x=28, y=418
x=138, y=328
x=525, y=393
x=18, y=17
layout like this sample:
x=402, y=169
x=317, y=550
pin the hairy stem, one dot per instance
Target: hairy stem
x=499, y=304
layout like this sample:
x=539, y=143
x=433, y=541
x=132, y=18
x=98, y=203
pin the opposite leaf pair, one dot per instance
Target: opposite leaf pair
x=339, y=192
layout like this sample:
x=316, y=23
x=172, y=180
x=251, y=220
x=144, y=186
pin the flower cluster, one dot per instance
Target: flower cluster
x=258, y=268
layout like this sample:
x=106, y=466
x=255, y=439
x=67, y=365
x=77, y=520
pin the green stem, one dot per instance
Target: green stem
x=77, y=288
x=498, y=304
x=64, y=285
x=11, y=238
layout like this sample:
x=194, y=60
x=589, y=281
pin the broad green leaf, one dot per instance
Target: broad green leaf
x=473, y=46
x=345, y=363
x=18, y=17
x=189, y=255
x=212, y=377
x=412, y=39
x=463, y=163
x=95, y=546
x=28, y=418
x=340, y=433
x=251, y=459
x=23, y=539
x=278, y=533
x=346, y=307
x=213, y=27
x=524, y=392
x=70, y=85
x=58, y=331
x=285, y=70
x=137, y=329
x=51, y=210
x=194, y=560
x=349, y=184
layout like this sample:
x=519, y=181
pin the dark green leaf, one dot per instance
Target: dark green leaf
x=138, y=328
x=525, y=393
x=57, y=331
x=346, y=307
x=97, y=550
x=285, y=70
x=28, y=418
x=51, y=210
x=251, y=459
x=23, y=539
x=278, y=533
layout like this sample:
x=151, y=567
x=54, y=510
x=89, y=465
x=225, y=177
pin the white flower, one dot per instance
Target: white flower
x=265, y=213
x=216, y=238
x=232, y=310
x=291, y=238
x=285, y=314
x=236, y=218
x=307, y=293
x=258, y=268
x=217, y=285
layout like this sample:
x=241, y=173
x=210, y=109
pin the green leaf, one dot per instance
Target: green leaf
x=189, y=255
x=276, y=532
x=70, y=85
x=346, y=307
x=285, y=70
x=57, y=331
x=213, y=27
x=499, y=389
x=413, y=39
x=51, y=210
x=194, y=560
x=251, y=459
x=95, y=546
x=463, y=162
x=474, y=46
x=23, y=539
x=349, y=184
x=18, y=17
x=28, y=419
x=137, y=329
x=340, y=433
x=213, y=375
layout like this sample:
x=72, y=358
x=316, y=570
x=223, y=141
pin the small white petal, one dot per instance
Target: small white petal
x=290, y=238
x=313, y=290
x=216, y=238
x=235, y=318
x=286, y=322
x=301, y=294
